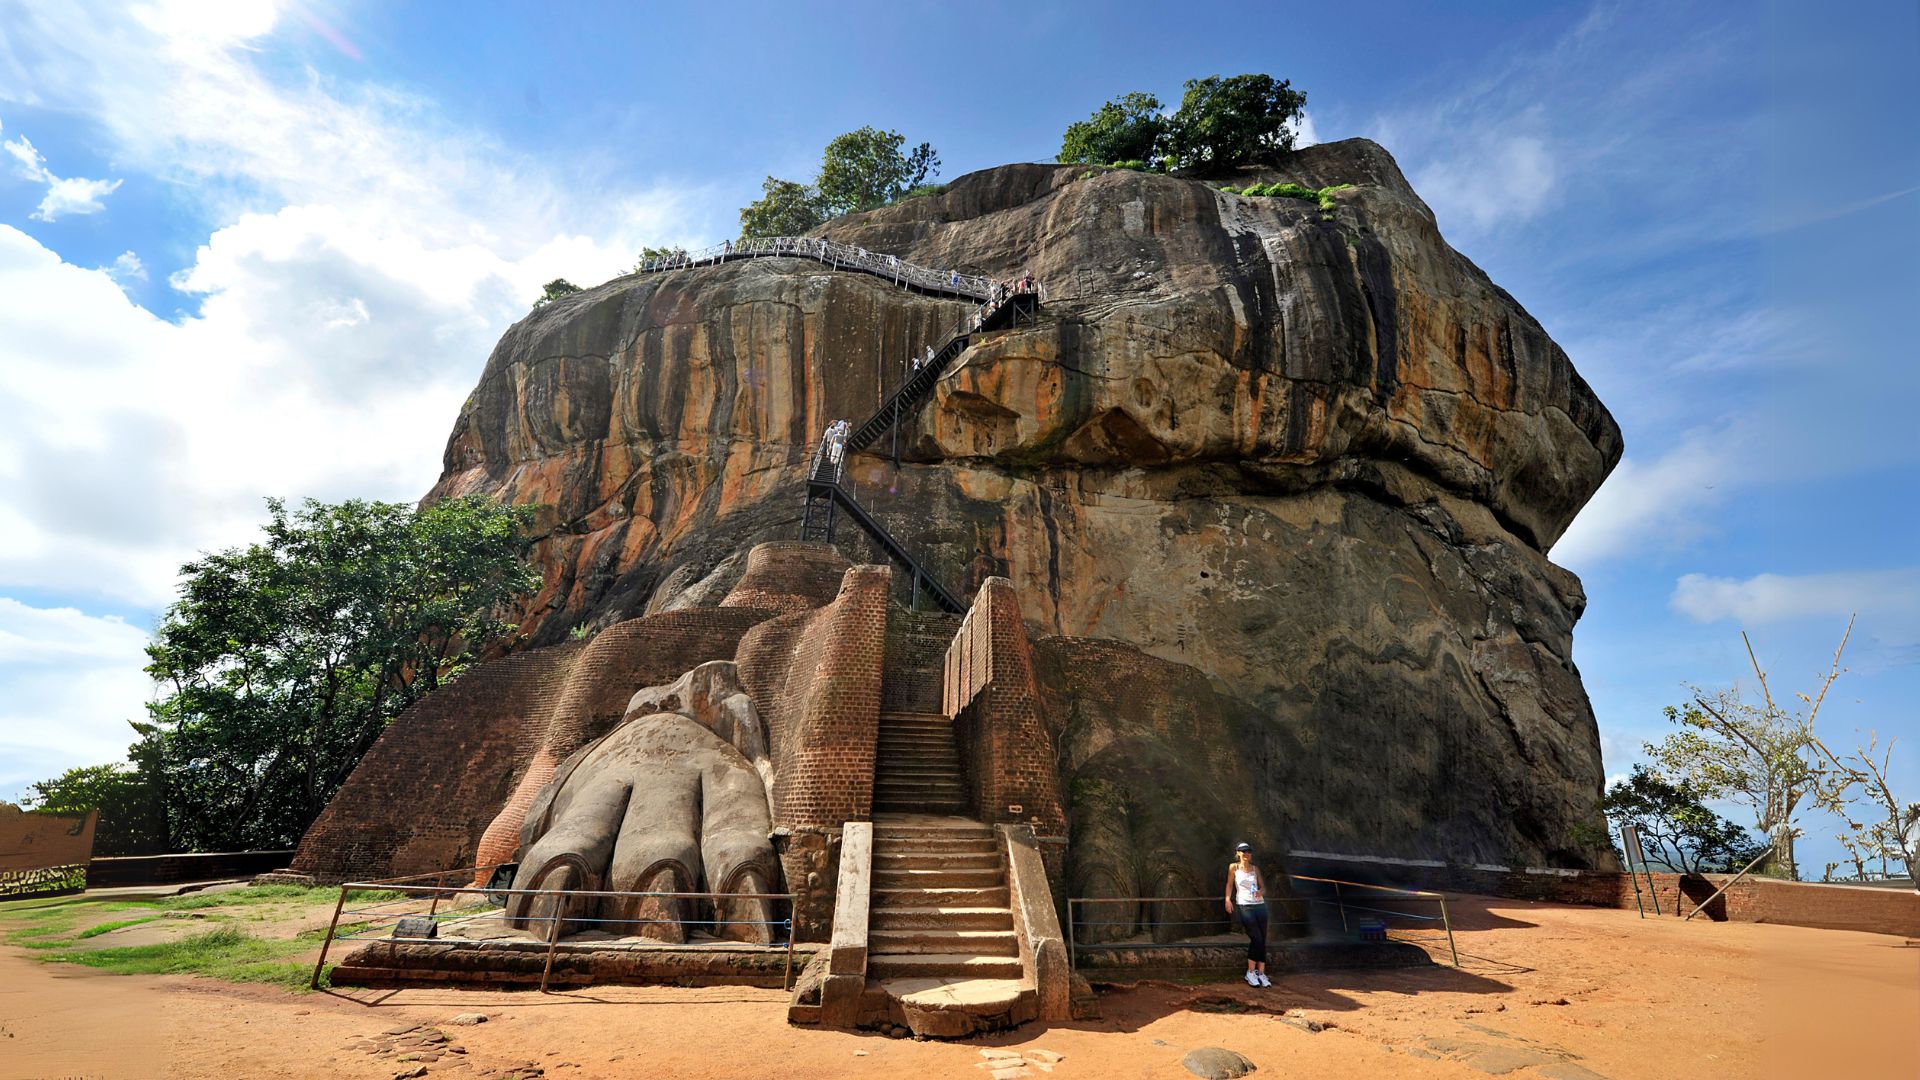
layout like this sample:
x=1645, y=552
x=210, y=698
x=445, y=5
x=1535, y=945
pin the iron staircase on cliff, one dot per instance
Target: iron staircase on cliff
x=826, y=498
x=913, y=392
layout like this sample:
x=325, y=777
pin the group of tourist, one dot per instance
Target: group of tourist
x=833, y=444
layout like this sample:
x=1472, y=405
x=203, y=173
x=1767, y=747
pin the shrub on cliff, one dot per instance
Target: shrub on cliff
x=554, y=290
x=1124, y=132
x=282, y=661
x=1226, y=123
x=785, y=209
x=1222, y=124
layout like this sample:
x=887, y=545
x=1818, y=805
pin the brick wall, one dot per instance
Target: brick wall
x=785, y=576
x=917, y=643
x=815, y=679
x=991, y=693
x=1762, y=900
x=447, y=785
x=421, y=797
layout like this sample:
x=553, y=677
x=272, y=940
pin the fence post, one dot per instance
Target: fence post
x=1448, y=923
x=314, y=983
x=1342, y=905
x=553, y=937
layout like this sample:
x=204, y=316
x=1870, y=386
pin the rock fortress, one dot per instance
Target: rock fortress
x=1162, y=519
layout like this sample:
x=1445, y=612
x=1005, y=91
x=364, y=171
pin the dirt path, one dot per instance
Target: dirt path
x=1568, y=993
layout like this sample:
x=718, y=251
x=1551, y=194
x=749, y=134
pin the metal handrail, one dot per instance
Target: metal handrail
x=436, y=893
x=839, y=256
x=1444, y=918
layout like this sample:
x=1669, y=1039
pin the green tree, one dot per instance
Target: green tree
x=864, y=169
x=554, y=290
x=1224, y=123
x=786, y=209
x=133, y=819
x=647, y=253
x=282, y=661
x=1675, y=827
x=1128, y=128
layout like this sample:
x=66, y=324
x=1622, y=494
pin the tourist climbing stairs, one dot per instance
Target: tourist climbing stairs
x=906, y=399
x=827, y=497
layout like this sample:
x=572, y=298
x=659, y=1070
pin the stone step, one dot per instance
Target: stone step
x=941, y=918
x=928, y=825
x=918, y=742
x=931, y=726
x=921, y=803
x=924, y=941
x=984, y=844
x=917, y=771
x=924, y=896
x=889, y=715
x=965, y=878
x=916, y=787
x=926, y=965
x=935, y=860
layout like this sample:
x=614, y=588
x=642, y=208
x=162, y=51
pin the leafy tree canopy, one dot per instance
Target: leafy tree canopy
x=282, y=661
x=785, y=209
x=1224, y=123
x=1675, y=828
x=1128, y=128
x=554, y=290
x=865, y=169
x=132, y=818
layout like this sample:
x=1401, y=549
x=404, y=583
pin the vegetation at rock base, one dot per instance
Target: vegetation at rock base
x=554, y=290
x=860, y=170
x=282, y=661
x=133, y=819
x=1222, y=124
x=1676, y=829
x=229, y=934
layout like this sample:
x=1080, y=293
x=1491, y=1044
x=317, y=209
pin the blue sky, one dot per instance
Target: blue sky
x=250, y=249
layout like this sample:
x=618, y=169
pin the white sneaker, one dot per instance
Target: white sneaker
x=1264, y=981
x=1252, y=979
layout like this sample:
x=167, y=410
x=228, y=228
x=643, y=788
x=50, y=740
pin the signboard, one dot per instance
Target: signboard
x=44, y=854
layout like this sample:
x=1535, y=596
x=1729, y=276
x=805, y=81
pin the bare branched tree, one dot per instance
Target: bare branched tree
x=1760, y=754
x=1895, y=836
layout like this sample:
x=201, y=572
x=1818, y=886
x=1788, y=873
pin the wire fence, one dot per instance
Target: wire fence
x=1365, y=912
x=389, y=910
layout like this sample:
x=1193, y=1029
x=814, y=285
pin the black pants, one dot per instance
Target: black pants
x=1253, y=919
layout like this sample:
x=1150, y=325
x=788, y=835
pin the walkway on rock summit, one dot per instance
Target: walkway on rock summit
x=838, y=256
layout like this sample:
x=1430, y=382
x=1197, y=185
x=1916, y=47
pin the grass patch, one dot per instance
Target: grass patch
x=221, y=953
x=1323, y=197
x=109, y=927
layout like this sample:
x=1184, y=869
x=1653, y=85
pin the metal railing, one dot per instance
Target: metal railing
x=1383, y=894
x=838, y=256
x=380, y=922
x=1354, y=916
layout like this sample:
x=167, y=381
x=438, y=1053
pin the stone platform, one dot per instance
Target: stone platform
x=1120, y=962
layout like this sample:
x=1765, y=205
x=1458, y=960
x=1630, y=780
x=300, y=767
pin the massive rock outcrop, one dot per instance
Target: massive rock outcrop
x=1317, y=457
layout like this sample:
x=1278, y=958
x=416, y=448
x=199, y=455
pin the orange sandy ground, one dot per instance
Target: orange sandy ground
x=1602, y=990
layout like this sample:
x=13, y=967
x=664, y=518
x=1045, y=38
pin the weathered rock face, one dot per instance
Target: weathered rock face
x=1318, y=458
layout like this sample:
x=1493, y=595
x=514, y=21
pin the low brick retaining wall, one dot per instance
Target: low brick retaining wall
x=1871, y=909
x=122, y=870
x=382, y=963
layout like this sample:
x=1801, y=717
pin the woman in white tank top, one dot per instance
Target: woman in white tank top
x=1247, y=905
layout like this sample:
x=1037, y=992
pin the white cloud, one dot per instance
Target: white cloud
x=1491, y=178
x=1654, y=505
x=1766, y=598
x=65, y=196
x=368, y=259
x=126, y=267
x=72, y=682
